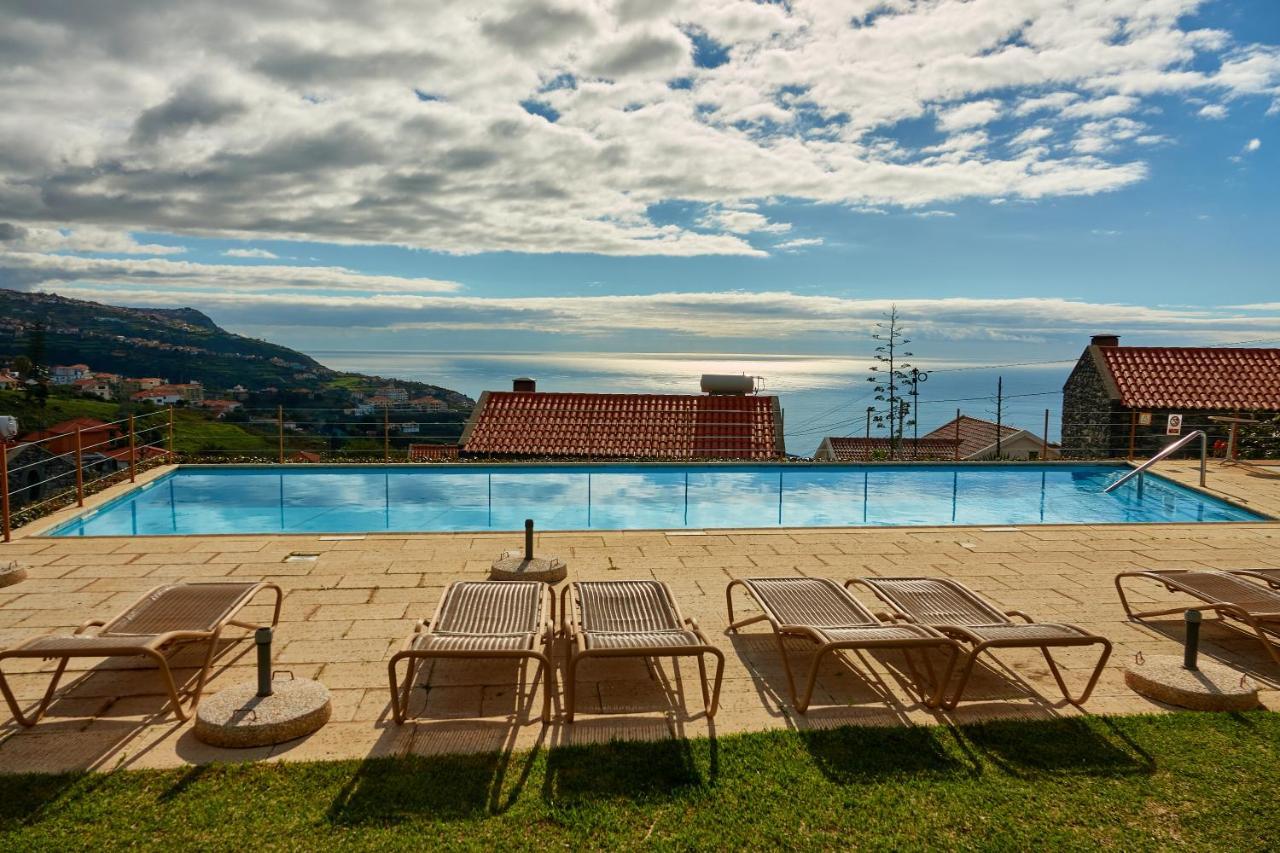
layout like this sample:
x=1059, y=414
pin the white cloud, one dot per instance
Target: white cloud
x=31, y=270
x=741, y=221
x=250, y=253
x=82, y=238
x=799, y=243
x=724, y=314
x=1111, y=105
x=1213, y=111
x=1031, y=136
x=968, y=115
x=933, y=214
x=1252, y=145
x=407, y=124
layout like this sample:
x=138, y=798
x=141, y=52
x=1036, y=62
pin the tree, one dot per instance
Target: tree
x=890, y=374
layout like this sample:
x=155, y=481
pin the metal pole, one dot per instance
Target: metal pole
x=170, y=459
x=999, y=412
x=1044, y=445
x=1204, y=455
x=1133, y=430
x=262, y=637
x=386, y=434
x=957, y=435
x=280, y=431
x=870, y=409
x=133, y=452
x=1192, y=647
x=4, y=488
x=79, y=470
x=528, y=539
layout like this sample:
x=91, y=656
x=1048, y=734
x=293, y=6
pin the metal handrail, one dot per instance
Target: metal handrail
x=1180, y=443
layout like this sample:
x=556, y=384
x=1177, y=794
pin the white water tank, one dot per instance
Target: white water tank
x=8, y=427
x=728, y=383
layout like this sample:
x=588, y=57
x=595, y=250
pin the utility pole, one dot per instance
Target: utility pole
x=870, y=411
x=999, y=412
x=917, y=376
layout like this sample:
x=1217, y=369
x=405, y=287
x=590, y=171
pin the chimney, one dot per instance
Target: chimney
x=1104, y=341
x=524, y=385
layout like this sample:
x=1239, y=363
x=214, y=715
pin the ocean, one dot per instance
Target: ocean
x=820, y=395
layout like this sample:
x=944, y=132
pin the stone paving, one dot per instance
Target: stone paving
x=349, y=609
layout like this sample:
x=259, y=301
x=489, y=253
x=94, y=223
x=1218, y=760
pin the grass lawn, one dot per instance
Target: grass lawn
x=1190, y=780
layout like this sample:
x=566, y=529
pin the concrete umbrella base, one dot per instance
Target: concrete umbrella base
x=512, y=566
x=1212, y=687
x=239, y=717
x=11, y=574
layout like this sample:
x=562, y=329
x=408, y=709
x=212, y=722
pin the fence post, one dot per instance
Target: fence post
x=1044, y=445
x=1133, y=431
x=957, y=452
x=386, y=435
x=4, y=488
x=170, y=448
x=133, y=451
x=280, y=430
x=79, y=470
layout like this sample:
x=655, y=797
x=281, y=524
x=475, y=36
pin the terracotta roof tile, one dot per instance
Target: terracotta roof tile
x=853, y=449
x=1223, y=378
x=975, y=433
x=635, y=426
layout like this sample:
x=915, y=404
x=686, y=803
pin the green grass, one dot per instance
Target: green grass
x=194, y=432
x=1182, y=780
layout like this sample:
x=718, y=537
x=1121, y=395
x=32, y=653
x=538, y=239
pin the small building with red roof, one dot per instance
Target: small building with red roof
x=529, y=424
x=962, y=439
x=1119, y=400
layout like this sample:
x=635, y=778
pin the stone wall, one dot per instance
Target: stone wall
x=1089, y=417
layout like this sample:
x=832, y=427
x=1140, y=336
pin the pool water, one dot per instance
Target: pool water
x=430, y=498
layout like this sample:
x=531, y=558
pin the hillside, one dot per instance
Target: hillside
x=181, y=345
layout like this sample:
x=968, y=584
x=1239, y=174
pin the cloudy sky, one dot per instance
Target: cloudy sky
x=704, y=175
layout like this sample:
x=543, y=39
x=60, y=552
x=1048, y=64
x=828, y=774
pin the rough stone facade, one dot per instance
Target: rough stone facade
x=1089, y=415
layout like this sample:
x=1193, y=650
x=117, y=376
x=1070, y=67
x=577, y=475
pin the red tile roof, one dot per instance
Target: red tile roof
x=626, y=426
x=975, y=433
x=852, y=449
x=1223, y=378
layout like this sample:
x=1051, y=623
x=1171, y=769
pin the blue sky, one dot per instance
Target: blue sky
x=650, y=176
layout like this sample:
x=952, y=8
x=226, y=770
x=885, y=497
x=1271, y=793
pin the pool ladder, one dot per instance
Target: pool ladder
x=1175, y=446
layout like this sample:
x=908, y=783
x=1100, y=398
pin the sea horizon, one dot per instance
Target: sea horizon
x=820, y=394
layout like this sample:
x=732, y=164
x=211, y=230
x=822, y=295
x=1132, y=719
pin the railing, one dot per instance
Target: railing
x=1169, y=449
x=60, y=473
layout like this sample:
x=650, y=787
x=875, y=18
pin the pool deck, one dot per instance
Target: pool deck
x=346, y=612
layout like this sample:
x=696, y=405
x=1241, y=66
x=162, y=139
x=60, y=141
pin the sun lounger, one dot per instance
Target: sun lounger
x=165, y=616
x=1227, y=594
x=958, y=612
x=480, y=619
x=637, y=618
x=826, y=613
x=1271, y=577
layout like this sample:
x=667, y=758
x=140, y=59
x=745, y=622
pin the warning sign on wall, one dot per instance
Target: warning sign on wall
x=1144, y=419
x=1174, y=426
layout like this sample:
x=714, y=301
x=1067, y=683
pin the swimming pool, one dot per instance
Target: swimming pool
x=431, y=498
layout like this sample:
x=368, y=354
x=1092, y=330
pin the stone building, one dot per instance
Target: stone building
x=1118, y=401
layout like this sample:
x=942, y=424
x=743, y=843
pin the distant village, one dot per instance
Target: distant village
x=161, y=392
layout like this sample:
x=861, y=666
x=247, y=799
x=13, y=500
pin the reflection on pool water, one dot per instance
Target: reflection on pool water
x=314, y=499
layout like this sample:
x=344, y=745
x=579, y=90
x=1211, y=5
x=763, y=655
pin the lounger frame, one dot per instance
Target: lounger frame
x=1263, y=627
x=151, y=646
x=544, y=636
x=781, y=630
x=977, y=645
x=572, y=629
